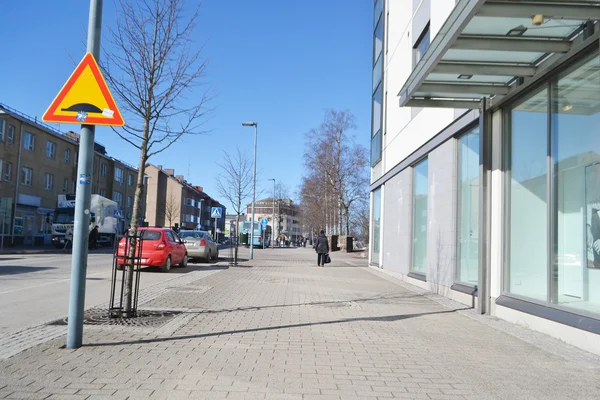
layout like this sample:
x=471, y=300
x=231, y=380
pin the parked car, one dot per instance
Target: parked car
x=200, y=244
x=161, y=247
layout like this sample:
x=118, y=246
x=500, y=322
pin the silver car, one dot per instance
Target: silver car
x=200, y=244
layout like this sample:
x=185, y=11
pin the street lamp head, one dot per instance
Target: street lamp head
x=272, y=179
x=249, y=123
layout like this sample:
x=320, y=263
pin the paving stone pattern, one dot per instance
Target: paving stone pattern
x=283, y=328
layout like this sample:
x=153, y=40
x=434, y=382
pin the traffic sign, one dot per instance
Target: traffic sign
x=264, y=222
x=118, y=214
x=85, y=98
x=215, y=212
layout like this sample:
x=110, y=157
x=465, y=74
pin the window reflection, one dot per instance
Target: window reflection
x=527, y=194
x=375, y=237
x=576, y=137
x=421, y=189
x=467, y=270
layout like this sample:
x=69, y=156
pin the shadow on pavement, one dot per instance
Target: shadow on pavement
x=14, y=269
x=383, y=318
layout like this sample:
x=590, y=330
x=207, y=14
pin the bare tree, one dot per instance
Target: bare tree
x=155, y=71
x=334, y=161
x=171, y=208
x=235, y=184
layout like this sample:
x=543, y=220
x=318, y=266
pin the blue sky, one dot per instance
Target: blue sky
x=281, y=63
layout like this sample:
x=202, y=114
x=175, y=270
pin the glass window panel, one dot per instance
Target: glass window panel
x=467, y=270
x=422, y=45
x=377, y=72
x=376, y=148
x=527, y=198
x=378, y=45
x=378, y=10
x=377, y=109
x=375, y=237
x=419, y=245
x=576, y=140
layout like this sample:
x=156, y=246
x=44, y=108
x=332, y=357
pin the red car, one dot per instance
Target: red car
x=161, y=247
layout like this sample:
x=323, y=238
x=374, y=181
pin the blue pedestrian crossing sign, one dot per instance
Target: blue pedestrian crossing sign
x=264, y=222
x=118, y=214
x=216, y=212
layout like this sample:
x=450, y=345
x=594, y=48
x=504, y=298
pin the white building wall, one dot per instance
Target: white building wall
x=397, y=232
x=404, y=131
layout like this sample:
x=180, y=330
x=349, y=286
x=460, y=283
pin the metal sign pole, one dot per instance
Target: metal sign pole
x=82, y=201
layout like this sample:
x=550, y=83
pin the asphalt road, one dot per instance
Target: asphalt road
x=35, y=288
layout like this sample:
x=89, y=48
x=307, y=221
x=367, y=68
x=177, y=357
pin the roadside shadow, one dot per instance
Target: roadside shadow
x=383, y=318
x=19, y=269
x=10, y=258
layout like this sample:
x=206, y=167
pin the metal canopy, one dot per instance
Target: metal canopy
x=485, y=46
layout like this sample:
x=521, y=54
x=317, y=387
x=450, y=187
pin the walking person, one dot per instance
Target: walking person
x=322, y=248
x=93, y=238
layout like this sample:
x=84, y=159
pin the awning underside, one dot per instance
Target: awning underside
x=485, y=46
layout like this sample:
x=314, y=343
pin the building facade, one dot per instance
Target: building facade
x=288, y=213
x=485, y=157
x=172, y=201
x=37, y=163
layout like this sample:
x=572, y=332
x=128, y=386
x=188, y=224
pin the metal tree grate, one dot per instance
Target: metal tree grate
x=145, y=318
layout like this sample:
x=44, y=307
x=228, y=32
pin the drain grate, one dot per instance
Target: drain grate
x=145, y=318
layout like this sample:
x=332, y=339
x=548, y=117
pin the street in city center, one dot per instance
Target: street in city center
x=279, y=327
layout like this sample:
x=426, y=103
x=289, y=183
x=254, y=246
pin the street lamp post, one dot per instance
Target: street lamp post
x=201, y=213
x=273, y=227
x=255, y=125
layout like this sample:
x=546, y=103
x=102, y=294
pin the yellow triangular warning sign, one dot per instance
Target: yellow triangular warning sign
x=85, y=98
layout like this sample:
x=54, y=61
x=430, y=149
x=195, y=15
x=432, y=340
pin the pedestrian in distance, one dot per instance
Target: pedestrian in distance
x=68, y=239
x=93, y=238
x=322, y=248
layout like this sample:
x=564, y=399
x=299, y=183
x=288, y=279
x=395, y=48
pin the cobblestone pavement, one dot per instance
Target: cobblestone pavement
x=279, y=327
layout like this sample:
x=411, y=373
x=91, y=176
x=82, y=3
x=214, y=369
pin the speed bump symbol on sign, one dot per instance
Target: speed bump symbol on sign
x=85, y=98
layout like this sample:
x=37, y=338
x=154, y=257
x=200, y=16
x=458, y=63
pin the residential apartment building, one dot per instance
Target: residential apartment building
x=486, y=160
x=172, y=201
x=37, y=163
x=288, y=213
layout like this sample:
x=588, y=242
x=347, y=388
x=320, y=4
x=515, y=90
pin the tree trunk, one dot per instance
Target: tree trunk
x=347, y=221
x=132, y=233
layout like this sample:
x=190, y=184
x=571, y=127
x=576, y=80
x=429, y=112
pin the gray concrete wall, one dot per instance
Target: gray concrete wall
x=397, y=227
x=441, y=229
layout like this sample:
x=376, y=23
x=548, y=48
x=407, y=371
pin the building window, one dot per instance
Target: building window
x=2, y=127
x=119, y=175
x=48, y=181
x=376, y=229
x=377, y=115
x=467, y=266
x=118, y=197
x=129, y=201
x=29, y=141
x=421, y=46
x=102, y=192
x=5, y=171
x=50, y=149
x=75, y=160
x=103, y=169
x=419, y=228
x=576, y=171
x=10, y=138
x=130, y=180
x=527, y=208
x=65, y=185
x=67, y=156
x=26, y=176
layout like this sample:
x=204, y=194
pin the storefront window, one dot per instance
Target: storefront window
x=375, y=237
x=421, y=186
x=467, y=270
x=527, y=198
x=576, y=156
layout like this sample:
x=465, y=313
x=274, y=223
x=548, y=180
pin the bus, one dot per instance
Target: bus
x=262, y=237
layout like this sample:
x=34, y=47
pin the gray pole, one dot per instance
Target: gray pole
x=82, y=201
x=273, y=227
x=253, y=193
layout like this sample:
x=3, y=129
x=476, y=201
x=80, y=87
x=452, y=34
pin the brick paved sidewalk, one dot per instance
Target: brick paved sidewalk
x=285, y=329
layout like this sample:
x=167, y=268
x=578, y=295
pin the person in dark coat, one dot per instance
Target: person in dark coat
x=93, y=239
x=322, y=248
